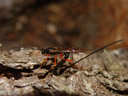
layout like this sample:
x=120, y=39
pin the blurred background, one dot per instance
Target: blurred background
x=64, y=23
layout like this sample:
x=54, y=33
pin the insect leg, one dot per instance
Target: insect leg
x=44, y=60
x=61, y=55
x=59, y=67
x=55, y=60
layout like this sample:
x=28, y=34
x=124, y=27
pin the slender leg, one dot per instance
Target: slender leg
x=57, y=69
x=55, y=59
x=44, y=60
x=61, y=55
x=2, y=74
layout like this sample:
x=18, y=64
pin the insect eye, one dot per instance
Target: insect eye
x=43, y=51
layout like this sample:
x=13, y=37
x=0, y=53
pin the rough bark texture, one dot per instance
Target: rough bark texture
x=102, y=74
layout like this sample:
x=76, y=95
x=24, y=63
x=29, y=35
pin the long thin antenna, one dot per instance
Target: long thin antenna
x=94, y=52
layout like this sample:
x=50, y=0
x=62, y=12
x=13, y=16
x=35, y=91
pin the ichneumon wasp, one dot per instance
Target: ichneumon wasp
x=54, y=51
x=64, y=54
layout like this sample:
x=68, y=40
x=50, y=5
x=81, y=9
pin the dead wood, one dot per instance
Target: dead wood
x=102, y=74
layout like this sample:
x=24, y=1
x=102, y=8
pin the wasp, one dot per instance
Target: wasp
x=64, y=54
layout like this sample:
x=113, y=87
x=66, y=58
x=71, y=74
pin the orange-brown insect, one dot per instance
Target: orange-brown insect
x=64, y=54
